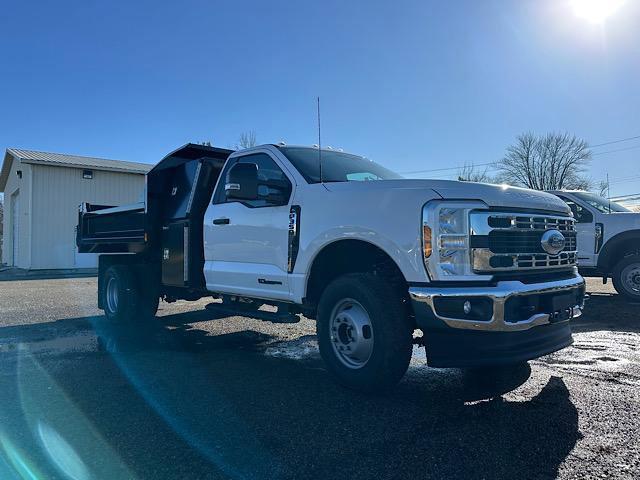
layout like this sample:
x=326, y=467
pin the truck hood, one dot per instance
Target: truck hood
x=499, y=196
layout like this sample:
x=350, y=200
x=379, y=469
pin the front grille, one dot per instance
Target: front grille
x=505, y=241
x=513, y=241
x=544, y=223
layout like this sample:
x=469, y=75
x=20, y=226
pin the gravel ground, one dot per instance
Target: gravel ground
x=195, y=396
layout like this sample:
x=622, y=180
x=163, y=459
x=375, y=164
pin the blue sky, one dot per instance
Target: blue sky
x=412, y=84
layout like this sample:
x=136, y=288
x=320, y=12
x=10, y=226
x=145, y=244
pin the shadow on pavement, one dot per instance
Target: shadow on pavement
x=171, y=401
x=608, y=312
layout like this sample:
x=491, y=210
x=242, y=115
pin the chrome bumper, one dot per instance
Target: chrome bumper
x=499, y=294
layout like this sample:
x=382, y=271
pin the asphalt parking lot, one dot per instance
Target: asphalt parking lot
x=195, y=396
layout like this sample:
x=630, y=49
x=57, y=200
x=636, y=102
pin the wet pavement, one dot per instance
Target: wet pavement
x=196, y=396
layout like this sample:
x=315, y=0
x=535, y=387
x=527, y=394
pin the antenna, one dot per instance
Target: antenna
x=608, y=192
x=319, y=142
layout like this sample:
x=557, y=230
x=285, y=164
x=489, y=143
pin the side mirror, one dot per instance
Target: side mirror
x=242, y=182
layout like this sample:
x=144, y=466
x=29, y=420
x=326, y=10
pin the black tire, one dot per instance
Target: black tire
x=629, y=286
x=124, y=298
x=392, y=332
x=149, y=295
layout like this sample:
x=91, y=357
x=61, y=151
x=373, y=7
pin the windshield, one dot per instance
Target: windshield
x=601, y=204
x=336, y=166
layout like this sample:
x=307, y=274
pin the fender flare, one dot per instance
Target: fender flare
x=335, y=241
x=610, y=251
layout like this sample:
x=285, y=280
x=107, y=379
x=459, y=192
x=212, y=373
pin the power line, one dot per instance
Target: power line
x=448, y=168
x=493, y=163
x=632, y=196
x=618, y=150
x=627, y=179
x=614, y=141
x=627, y=195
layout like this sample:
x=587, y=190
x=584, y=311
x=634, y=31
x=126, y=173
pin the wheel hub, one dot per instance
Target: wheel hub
x=351, y=333
x=631, y=277
x=112, y=295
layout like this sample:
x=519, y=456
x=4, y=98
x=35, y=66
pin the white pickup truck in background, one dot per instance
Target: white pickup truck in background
x=608, y=240
x=487, y=273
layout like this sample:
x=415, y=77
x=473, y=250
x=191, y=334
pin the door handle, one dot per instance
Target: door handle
x=221, y=221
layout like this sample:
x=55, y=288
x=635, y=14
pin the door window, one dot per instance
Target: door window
x=269, y=173
x=581, y=214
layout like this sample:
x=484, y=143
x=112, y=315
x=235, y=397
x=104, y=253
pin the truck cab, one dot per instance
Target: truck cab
x=608, y=240
x=487, y=273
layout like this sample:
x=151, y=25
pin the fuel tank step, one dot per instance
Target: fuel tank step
x=273, y=317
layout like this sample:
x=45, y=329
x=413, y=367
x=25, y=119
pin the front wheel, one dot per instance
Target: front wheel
x=626, y=277
x=364, y=334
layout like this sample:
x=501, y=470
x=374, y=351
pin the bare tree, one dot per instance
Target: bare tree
x=550, y=162
x=470, y=173
x=246, y=140
x=603, y=188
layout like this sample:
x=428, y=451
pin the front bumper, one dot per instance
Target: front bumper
x=424, y=299
x=524, y=321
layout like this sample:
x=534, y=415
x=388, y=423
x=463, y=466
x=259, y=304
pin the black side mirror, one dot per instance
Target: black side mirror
x=242, y=182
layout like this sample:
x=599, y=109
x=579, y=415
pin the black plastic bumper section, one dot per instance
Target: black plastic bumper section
x=468, y=348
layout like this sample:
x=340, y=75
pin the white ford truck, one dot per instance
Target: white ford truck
x=487, y=273
x=608, y=240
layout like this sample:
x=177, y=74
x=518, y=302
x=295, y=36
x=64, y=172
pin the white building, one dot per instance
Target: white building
x=42, y=192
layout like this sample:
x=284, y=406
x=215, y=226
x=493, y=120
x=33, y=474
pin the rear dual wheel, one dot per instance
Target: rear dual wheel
x=125, y=297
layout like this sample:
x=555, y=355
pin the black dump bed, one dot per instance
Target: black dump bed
x=106, y=228
x=167, y=226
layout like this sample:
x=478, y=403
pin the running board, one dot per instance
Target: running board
x=273, y=317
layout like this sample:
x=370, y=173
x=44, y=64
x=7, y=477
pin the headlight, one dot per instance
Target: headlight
x=452, y=240
x=446, y=239
x=451, y=220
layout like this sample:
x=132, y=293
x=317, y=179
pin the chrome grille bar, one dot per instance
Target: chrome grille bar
x=506, y=241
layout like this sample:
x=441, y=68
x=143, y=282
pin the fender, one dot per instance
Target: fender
x=611, y=248
x=402, y=260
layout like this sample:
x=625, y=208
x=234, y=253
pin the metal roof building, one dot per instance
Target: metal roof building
x=42, y=192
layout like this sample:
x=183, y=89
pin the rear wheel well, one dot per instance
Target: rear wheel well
x=351, y=256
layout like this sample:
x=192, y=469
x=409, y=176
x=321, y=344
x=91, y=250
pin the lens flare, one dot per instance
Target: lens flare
x=596, y=11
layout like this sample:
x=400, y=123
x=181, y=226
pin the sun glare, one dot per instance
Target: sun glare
x=596, y=11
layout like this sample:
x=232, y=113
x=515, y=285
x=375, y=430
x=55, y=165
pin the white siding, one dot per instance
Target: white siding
x=23, y=186
x=57, y=193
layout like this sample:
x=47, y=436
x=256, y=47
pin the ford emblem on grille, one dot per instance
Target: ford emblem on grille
x=552, y=242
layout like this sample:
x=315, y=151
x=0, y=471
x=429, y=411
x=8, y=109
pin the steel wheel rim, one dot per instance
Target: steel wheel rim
x=631, y=278
x=351, y=333
x=112, y=295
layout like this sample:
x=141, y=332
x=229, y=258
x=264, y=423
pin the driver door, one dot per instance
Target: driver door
x=246, y=241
